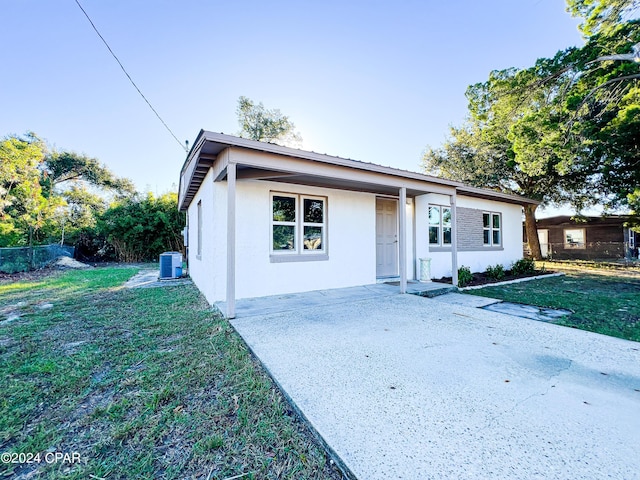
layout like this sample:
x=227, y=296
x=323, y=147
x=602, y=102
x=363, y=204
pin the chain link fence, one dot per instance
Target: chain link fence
x=587, y=251
x=22, y=259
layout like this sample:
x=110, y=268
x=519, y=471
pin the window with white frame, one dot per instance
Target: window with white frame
x=439, y=225
x=491, y=229
x=574, y=238
x=298, y=224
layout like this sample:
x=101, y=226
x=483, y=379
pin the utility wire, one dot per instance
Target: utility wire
x=129, y=76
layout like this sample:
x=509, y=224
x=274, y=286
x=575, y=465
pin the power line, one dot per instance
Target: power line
x=129, y=76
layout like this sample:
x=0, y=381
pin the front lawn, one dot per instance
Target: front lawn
x=137, y=384
x=604, y=302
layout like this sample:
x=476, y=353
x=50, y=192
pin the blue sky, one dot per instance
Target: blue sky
x=376, y=81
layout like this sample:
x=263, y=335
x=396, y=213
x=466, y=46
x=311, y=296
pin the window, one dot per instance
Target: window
x=632, y=239
x=439, y=225
x=491, y=229
x=199, y=245
x=574, y=238
x=298, y=224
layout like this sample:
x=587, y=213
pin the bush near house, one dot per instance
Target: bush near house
x=464, y=276
x=521, y=269
x=524, y=266
x=495, y=272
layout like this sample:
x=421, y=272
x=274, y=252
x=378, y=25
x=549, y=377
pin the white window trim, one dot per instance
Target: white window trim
x=578, y=246
x=491, y=229
x=290, y=224
x=299, y=253
x=441, y=226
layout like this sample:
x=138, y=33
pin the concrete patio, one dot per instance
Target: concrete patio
x=295, y=301
x=405, y=387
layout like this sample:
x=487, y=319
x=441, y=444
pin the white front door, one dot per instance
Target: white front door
x=543, y=238
x=386, y=237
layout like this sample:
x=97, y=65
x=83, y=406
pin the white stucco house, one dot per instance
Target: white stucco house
x=264, y=219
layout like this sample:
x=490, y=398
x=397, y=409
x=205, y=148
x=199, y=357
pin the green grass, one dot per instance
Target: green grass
x=607, y=304
x=144, y=383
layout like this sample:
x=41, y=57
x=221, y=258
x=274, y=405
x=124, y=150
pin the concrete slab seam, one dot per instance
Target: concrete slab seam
x=508, y=282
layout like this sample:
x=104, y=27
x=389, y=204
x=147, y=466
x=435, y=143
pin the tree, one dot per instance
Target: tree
x=514, y=140
x=563, y=131
x=85, y=186
x=602, y=16
x=258, y=123
x=24, y=209
x=45, y=196
x=70, y=167
x=141, y=229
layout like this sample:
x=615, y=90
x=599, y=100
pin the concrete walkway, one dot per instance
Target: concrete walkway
x=151, y=279
x=404, y=387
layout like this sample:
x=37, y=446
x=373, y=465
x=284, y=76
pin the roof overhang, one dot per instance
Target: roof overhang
x=284, y=164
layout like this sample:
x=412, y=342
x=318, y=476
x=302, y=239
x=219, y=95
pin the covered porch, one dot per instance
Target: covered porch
x=238, y=160
x=249, y=307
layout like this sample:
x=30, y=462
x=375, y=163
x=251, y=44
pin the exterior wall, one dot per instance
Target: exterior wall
x=350, y=243
x=605, y=238
x=209, y=271
x=471, y=251
x=601, y=241
x=351, y=233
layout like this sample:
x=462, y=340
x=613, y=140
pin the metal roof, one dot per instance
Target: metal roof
x=208, y=145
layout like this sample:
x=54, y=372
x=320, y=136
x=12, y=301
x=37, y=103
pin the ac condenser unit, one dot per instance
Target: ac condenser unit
x=170, y=265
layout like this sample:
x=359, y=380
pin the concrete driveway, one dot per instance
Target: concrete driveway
x=404, y=387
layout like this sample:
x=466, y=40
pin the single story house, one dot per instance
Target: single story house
x=604, y=237
x=264, y=219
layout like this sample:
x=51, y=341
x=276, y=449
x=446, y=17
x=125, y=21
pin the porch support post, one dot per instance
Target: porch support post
x=231, y=240
x=454, y=242
x=402, y=213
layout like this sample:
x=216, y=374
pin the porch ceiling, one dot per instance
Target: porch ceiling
x=247, y=172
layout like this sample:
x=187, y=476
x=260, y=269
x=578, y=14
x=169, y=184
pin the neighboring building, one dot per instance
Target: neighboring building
x=265, y=219
x=588, y=238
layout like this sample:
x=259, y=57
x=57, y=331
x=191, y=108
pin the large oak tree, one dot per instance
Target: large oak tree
x=563, y=131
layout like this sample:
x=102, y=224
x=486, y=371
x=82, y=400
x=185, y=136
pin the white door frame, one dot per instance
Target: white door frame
x=394, y=235
x=544, y=246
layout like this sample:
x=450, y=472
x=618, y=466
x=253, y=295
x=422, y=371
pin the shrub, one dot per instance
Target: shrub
x=464, y=276
x=496, y=272
x=524, y=266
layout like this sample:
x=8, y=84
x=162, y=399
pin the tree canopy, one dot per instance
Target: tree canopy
x=562, y=131
x=49, y=196
x=140, y=229
x=602, y=16
x=258, y=123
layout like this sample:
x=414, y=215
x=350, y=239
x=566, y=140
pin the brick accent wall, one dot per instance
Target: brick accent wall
x=469, y=223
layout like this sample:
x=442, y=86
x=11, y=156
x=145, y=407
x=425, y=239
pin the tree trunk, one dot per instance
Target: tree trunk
x=532, y=231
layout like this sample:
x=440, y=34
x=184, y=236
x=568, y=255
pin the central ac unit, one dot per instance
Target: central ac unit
x=170, y=265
